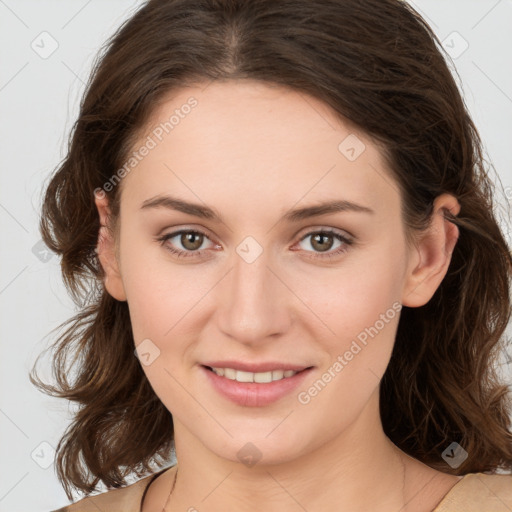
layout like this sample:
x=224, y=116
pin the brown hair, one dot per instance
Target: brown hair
x=379, y=66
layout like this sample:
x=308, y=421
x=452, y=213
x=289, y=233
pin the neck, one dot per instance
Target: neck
x=341, y=471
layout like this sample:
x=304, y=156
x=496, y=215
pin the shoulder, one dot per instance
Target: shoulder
x=127, y=499
x=479, y=492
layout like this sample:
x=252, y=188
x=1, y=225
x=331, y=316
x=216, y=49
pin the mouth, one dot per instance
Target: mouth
x=249, y=389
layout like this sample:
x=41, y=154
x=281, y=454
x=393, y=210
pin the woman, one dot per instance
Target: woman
x=300, y=286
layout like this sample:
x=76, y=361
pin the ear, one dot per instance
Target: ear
x=106, y=251
x=431, y=257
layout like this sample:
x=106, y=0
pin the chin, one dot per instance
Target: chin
x=260, y=449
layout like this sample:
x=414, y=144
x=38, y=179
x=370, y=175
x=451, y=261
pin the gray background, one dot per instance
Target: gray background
x=46, y=50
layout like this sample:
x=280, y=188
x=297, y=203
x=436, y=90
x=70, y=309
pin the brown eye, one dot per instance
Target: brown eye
x=191, y=240
x=184, y=243
x=322, y=242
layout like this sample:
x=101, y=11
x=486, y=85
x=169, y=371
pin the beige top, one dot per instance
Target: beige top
x=475, y=492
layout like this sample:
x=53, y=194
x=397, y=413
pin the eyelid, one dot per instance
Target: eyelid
x=326, y=229
x=346, y=243
x=163, y=237
x=186, y=229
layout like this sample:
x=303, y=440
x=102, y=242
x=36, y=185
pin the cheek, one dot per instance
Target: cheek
x=352, y=298
x=162, y=295
x=362, y=314
x=356, y=314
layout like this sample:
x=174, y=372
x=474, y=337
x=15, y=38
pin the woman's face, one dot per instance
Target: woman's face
x=260, y=284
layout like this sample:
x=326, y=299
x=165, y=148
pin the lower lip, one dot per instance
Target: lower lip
x=255, y=394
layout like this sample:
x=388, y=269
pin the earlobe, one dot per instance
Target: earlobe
x=105, y=249
x=432, y=255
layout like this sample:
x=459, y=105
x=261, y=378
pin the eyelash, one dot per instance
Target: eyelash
x=186, y=254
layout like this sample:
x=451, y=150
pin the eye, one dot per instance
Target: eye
x=322, y=241
x=190, y=239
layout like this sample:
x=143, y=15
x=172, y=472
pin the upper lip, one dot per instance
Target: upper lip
x=266, y=366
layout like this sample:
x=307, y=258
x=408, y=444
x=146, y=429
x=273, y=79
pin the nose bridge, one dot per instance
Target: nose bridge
x=253, y=306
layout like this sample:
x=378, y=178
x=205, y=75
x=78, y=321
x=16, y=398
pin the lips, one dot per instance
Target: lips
x=253, y=394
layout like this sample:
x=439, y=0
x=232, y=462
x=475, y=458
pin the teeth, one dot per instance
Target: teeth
x=261, y=377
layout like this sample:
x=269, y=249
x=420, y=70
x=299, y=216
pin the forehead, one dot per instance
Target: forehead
x=249, y=141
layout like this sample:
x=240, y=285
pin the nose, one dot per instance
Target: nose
x=253, y=302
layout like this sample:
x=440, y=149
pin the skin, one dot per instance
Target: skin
x=252, y=152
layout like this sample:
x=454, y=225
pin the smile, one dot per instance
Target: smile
x=250, y=389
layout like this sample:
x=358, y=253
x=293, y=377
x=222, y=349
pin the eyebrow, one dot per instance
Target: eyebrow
x=294, y=215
